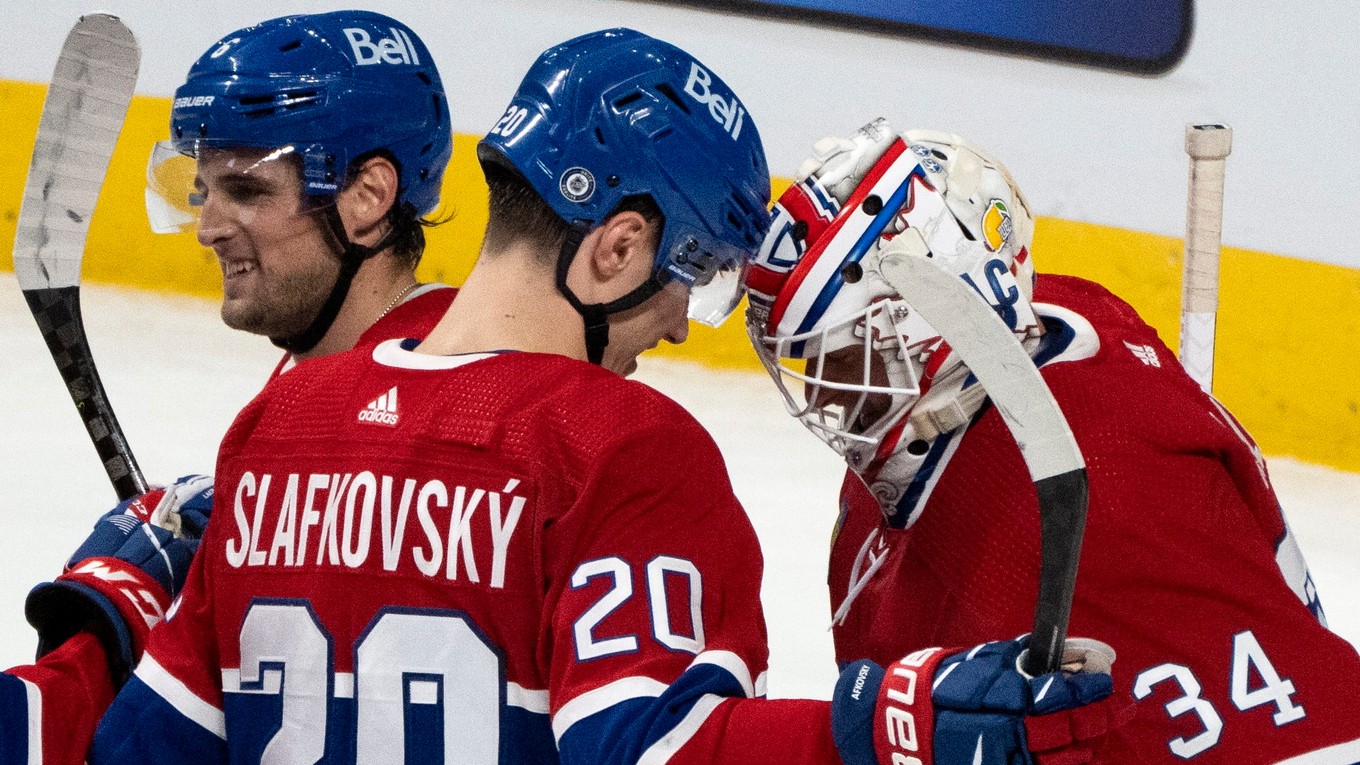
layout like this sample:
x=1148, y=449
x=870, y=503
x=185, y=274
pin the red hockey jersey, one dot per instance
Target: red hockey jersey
x=413, y=317
x=1187, y=569
x=488, y=558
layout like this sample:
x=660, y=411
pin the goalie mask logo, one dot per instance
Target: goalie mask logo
x=577, y=184
x=996, y=226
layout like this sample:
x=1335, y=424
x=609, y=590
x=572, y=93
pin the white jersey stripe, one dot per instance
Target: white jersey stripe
x=602, y=698
x=185, y=701
x=676, y=738
x=732, y=664
x=35, y=710
x=1341, y=754
x=527, y=699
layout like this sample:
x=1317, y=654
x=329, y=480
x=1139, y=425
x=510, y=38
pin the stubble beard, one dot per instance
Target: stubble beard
x=284, y=306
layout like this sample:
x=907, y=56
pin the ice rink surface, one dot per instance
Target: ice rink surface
x=176, y=378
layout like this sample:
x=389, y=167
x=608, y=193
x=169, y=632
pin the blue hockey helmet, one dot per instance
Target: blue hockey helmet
x=331, y=87
x=616, y=114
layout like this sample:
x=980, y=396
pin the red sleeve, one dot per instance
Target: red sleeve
x=660, y=642
x=71, y=688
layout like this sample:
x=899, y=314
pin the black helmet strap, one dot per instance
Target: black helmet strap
x=596, y=315
x=352, y=256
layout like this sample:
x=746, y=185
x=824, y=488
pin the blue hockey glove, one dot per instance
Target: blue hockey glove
x=121, y=580
x=946, y=707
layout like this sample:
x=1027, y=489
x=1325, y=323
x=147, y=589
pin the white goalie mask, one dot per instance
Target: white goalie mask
x=855, y=363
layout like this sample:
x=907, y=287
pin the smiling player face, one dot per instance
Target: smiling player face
x=278, y=261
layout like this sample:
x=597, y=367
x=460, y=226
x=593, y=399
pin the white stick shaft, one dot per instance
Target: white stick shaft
x=1208, y=147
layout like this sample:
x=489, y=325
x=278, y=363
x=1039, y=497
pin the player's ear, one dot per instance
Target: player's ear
x=618, y=254
x=364, y=202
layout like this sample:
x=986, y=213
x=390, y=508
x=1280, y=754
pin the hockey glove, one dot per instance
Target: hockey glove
x=120, y=581
x=954, y=708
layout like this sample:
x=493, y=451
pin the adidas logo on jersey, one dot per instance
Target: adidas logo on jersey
x=1144, y=353
x=381, y=410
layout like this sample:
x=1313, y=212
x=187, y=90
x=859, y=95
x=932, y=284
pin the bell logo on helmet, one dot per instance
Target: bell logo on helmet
x=996, y=225
x=577, y=184
x=397, y=49
x=726, y=110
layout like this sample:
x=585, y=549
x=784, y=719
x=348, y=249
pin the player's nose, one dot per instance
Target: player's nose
x=214, y=224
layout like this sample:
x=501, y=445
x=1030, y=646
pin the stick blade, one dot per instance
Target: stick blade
x=82, y=116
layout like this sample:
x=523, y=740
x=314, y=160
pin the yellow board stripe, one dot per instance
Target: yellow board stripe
x=1288, y=361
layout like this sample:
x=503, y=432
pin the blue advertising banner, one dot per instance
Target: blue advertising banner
x=1146, y=36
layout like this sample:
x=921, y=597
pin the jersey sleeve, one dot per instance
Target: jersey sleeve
x=48, y=710
x=170, y=711
x=659, y=641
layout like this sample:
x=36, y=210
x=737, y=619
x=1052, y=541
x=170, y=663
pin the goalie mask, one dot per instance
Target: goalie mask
x=854, y=362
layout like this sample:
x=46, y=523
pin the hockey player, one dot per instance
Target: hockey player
x=93, y=622
x=306, y=151
x=1187, y=567
x=488, y=546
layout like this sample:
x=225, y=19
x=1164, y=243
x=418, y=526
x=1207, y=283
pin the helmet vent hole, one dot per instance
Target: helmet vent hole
x=425, y=78
x=268, y=105
x=426, y=148
x=633, y=97
x=666, y=90
x=937, y=154
x=294, y=45
x=438, y=108
x=873, y=204
x=852, y=273
x=599, y=136
x=918, y=448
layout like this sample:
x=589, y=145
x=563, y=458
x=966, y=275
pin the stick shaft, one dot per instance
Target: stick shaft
x=1208, y=147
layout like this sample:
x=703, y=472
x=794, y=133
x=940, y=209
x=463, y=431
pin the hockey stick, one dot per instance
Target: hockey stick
x=1014, y=385
x=82, y=116
x=1208, y=147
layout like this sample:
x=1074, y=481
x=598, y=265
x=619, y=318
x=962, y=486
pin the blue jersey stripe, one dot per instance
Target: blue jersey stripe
x=14, y=715
x=624, y=731
x=141, y=726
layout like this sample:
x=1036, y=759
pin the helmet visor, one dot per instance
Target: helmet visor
x=178, y=181
x=714, y=276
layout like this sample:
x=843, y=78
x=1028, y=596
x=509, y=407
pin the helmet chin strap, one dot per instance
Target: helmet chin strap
x=596, y=315
x=351, y=257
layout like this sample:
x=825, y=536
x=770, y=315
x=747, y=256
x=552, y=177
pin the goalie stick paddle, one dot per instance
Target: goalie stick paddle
x=1208, y=147
x=81, y=118
x=1015, y=387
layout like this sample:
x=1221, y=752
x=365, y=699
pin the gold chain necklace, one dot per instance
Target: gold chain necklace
x=396, y=300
